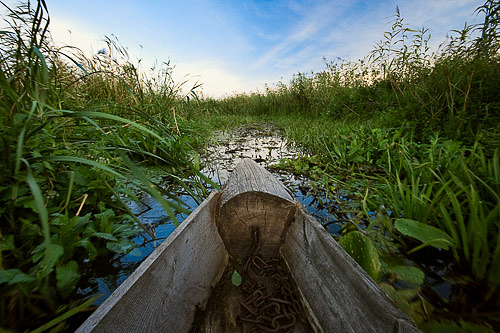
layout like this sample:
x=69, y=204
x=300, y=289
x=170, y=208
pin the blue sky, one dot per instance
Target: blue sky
x=238, y=46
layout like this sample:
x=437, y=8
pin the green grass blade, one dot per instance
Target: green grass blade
x=66, y=315
x=459, y=217
x=131, y=213
x=39, y=204
x=74, y=159
x=108, y=116
x=45, y=71
x=149, y=187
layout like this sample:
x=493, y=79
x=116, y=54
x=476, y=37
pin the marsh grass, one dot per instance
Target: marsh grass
x=407, y=134
x=439, y=195
x=412, y=136
x=453, y=91
x=74, y=132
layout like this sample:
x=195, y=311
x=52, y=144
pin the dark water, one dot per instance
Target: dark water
x=266, y=146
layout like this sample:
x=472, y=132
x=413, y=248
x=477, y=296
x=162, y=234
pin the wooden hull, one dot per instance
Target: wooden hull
x=164, y=293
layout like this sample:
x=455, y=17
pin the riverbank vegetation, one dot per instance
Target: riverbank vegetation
x=75, y=134
x=406, y=140
x=412, y=137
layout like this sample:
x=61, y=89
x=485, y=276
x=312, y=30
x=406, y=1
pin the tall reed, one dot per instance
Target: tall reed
x=70, y=127
x=452, y=91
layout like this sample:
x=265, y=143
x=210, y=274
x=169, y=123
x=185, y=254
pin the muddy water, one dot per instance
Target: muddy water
x=262, y=143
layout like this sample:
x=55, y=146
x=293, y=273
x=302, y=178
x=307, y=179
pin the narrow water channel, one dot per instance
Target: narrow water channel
x=264, y=144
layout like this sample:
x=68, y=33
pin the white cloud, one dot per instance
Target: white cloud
x=70, y=33
x=217, y=80
x=304, y=38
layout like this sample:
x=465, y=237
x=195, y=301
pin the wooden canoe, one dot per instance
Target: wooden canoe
x=176, y=280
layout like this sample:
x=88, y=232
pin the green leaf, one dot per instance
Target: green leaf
x=408, y=273
x=361, y=249
x=148, y=186
x=405, y=300
x=52, y=253
x=74, y=159
x=76, y=63
x=67, y=277
x=45, y=71
x=122, y=246
x=85, y=243
x=13, y=276
x=40, y=205
x=103, y=115
x=427, y=234
x=7, y=243
x=66, y=315
x=105, y=235
x=236, y=278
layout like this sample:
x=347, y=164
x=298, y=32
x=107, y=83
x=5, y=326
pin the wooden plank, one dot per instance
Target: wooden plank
x=223, y=308
x=341, y=296
x=163, y=293
x=253, y=200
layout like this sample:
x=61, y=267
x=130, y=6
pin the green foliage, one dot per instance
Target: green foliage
x=453, y=194
x=362, y=250
x=427, y=234
x=410, y=274
x=407, y=300
x=409, y=135
x=441, y=194
x=452, y=91
x=70, y=127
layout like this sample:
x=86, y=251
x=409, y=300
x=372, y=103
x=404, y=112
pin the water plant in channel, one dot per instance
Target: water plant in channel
x=74, y=133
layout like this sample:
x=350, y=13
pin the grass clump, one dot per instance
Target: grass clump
x=73, y=132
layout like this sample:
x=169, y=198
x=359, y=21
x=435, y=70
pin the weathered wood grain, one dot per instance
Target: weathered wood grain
x=339, y=293
x=222, y=309
x=253, y=199
x=163, y=293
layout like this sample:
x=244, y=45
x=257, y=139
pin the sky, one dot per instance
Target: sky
x=240, y=46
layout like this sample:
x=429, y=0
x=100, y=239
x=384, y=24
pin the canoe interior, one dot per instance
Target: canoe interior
x=173, y=286
x=268, y=300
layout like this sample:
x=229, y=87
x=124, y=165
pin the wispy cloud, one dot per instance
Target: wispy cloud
x=350, y=30
x=305, y=43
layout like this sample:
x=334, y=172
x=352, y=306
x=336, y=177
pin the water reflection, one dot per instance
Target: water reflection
x=262, y=143
x=265, y=145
